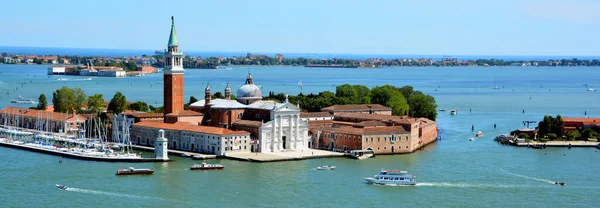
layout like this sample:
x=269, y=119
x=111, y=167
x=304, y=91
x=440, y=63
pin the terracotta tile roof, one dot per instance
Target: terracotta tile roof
x=369, y=124
x=32, y=113
x=377, y=117
x=315, y=114
x=184, y=126
x=359, y=107
x=426, y=122
x=147, y=115
x=248, y=123
x=368, y=131
x=585, y=121
x=385, y=129
x=185, y=113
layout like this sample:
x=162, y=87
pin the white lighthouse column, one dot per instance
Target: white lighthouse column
x=160, y=146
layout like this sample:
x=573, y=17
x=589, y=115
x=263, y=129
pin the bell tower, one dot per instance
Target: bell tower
x=173, y=75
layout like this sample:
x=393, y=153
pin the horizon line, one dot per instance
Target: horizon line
x=295, y=53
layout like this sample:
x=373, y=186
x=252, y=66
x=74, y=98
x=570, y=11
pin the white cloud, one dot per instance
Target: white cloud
x=573, y=11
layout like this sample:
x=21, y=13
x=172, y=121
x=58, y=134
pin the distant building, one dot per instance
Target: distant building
x=316, y=116
x=38, y=119
x=384, y=134
x=189, y=137
x=571, y=124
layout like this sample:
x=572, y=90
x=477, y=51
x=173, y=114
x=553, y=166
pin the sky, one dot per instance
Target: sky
x=428, y=27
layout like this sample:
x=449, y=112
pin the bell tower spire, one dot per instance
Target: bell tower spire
x=173, y=74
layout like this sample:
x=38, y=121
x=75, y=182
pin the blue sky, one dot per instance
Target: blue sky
x=428, y=27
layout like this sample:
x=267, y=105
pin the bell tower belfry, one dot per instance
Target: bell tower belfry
x=173, y=74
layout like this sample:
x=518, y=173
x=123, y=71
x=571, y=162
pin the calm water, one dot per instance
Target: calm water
x=453, y=172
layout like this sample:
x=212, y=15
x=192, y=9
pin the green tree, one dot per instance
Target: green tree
x=389, y=96
x=42, y=102
x=588, y=134
x=79, y=99
x=381, y=95
x=95, y=103
x=422, y=105
x=406, y=91
x=573, y=135
x=139, y=106
x=218, y=95
x=63, y=100
x=192, y=100
x=349, y=92
x=398, y=104
x=118, y=103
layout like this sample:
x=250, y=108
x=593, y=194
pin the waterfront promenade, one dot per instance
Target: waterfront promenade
x=559, y=144
x=283, y=156
x=256, y=156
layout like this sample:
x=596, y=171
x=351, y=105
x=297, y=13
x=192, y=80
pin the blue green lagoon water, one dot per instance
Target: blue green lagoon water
x=454, y=172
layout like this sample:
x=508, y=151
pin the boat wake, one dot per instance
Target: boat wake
x=87, y=191
x=531, y=178
x=466, y=185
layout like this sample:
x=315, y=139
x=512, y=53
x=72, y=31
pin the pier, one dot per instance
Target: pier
x=77, y=156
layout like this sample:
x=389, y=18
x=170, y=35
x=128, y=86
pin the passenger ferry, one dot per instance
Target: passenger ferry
x=133, y=171
x=393, y=177
x=205, y=166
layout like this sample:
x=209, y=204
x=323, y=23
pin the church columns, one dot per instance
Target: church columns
x=297, y=126
x=280, y=133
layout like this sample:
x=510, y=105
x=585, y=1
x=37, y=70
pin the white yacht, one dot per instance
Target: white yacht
x=393, y=177
x=452, y=112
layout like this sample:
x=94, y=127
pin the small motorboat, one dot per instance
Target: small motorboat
x=198, y=157
x=479, y=134
x=559, y=183
x=185, y=155
x=61, y=187
x=133, y=171
x=452, y=112
x=205, y=166
x=442, y=110
x=326, y=167
x=471, y=139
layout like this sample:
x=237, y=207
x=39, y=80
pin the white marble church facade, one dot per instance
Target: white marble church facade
x=285, y=131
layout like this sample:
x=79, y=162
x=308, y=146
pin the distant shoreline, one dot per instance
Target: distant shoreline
x=215, y=62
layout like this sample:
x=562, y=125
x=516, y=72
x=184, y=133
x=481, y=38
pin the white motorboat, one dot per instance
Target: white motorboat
x=393, y=177
x=185, y=155
x=479, y=134
x=591, y=90
x=22, y=100
x=452, y=112
x=326, y=167
x=61, y=187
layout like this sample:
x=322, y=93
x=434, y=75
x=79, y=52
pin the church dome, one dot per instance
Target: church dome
x=249, y=91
